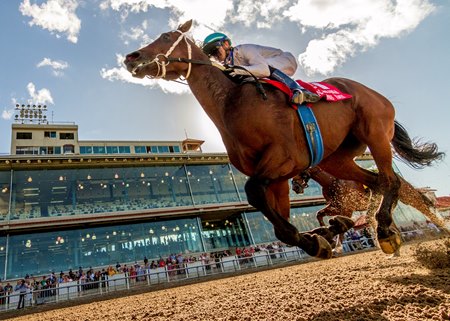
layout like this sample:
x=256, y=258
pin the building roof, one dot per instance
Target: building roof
x=443, y=202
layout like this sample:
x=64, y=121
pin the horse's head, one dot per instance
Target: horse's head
x=157, y=59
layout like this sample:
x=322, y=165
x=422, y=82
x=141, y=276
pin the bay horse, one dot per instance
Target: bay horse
x=265, y=140
x=343, y=197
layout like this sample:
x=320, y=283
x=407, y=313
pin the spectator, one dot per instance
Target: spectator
x=8, y=290
x=2, y=295
x=118, y=266
x=433, y=227
x=72, y=275
x=22, y=287
x=111, y=271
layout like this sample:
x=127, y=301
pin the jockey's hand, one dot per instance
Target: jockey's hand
x=236, y=72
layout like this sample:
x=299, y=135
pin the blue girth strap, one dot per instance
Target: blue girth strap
x=312, y=132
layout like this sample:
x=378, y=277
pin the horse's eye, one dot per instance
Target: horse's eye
x=165, y=37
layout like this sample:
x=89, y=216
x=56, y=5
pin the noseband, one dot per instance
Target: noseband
x=162, y=63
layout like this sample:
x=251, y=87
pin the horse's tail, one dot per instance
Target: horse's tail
x=413, y=152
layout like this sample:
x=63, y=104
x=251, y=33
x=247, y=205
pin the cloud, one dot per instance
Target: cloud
x=121, y=74
x=137, y=33
x=218, y=12
x=341, y=29
x=57, y=16
x=349, y=27
x=7, y=114
x=56, y=65
x=42, y=96
x=263, y=14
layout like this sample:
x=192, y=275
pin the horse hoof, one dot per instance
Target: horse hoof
x=340, y=224
x=395, y=255
x=319, y=246
x=391, y=244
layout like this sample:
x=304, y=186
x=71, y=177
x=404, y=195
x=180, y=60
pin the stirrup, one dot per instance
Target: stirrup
x=301, y=96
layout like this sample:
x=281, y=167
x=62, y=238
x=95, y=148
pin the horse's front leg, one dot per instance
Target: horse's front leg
x=272, y=199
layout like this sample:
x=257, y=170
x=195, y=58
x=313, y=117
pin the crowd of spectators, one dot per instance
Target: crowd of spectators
x=45, y=286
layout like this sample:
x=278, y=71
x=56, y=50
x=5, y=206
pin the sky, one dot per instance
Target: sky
x=68, y=55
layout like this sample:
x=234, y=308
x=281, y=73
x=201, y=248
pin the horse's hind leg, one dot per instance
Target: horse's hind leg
x=272, y=201
x=388, y=185
x=385, y=183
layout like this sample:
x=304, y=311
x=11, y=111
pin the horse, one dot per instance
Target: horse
x=343, y=197
x=265, y=140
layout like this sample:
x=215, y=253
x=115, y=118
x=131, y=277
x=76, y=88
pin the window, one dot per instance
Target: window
x=112, y=150
x=69, y=149
x=50, y=150
x=66, y=136
x=99, y=150
x=174, y=149
x=21, y=135
x=124, y=150
x=85, y=149
x=163, y=149
x=50, y=134
x=27, y=150
x=140, y=149
x=153, y=149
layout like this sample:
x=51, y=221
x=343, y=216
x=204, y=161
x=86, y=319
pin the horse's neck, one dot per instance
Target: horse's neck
x=211, y=88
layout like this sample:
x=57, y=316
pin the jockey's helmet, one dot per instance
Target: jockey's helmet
x=213, y=42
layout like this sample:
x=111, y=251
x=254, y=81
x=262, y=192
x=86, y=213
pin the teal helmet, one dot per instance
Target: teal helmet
x=214, y=41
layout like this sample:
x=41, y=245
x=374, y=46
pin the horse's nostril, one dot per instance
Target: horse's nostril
x=132, y=56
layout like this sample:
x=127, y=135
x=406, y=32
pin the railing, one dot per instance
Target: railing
x=148, y=277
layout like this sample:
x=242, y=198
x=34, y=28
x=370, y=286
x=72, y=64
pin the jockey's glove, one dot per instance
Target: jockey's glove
x=237, y=72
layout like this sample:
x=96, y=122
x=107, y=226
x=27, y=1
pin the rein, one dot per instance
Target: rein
x=167, y=60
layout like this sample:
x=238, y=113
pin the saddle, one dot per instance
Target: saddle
x=324, y=90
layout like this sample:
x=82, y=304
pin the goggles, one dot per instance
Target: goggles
x=212, y=48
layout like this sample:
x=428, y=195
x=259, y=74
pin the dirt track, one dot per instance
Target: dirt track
x=366, y=286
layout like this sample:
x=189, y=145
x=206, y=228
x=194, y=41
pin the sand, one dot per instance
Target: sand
x=364, y=286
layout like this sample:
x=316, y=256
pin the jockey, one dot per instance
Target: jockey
x=261, y=61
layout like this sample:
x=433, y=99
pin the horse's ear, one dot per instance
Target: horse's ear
x=185, y=26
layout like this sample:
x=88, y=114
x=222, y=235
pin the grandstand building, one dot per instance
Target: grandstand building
x=66, y=203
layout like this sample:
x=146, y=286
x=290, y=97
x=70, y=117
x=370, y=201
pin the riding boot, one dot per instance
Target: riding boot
x=300, y=94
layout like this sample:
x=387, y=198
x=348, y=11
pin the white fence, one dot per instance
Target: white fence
x=228, y=264
x=122, y=281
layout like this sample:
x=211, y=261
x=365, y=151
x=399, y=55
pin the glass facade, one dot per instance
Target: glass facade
x=32, y=195
x=46, y=193
x=225, y=234
x=41, y=253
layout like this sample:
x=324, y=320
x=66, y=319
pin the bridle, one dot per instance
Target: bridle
x=162, y=63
